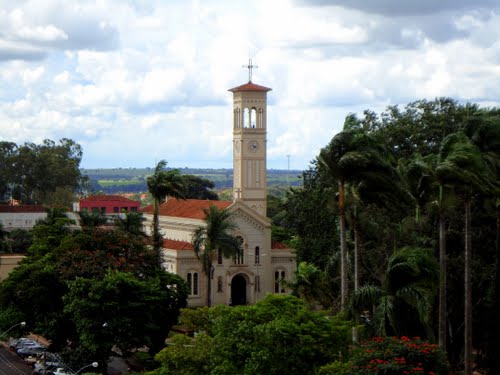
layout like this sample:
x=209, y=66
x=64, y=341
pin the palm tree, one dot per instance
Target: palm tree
x=341, y=161
x=163, y=184
x=213, y=237
x=354, y=157
x=425, y=186
x=418, y=177
x=462, y=166
x=92, y=219
x=484, y=132
x=403, y=304
x=131, y=223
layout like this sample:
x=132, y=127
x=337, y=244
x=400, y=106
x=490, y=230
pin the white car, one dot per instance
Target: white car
x=62, y=371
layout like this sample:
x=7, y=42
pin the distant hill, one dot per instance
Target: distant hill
x=133, y=180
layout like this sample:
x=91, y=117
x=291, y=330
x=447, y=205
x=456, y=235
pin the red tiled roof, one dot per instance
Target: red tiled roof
x=250, y=87
x=177, y=245
x=103, y=197
x=189, y=208
x=278, y=245
x=22, y=208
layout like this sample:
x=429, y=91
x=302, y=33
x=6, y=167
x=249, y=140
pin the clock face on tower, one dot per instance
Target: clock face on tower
x=253, y=146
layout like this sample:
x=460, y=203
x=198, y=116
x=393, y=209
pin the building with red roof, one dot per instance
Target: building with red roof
x=107, y=204
x=263, y=264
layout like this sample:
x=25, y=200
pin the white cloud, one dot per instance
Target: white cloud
x=136, y=82
x=32, y=76
x=62, y=78
x=42, y=33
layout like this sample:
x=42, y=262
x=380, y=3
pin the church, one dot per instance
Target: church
x=263, y=264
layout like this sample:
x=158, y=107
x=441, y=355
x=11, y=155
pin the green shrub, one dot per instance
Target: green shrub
x=398, y=356
x=336, y=368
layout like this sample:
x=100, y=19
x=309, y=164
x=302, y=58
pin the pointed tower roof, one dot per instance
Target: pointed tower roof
x=250, y=86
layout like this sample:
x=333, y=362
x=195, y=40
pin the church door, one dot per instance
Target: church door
x=238, y=290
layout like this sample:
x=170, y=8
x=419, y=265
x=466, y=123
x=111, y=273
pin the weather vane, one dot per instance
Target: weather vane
x=250, y=66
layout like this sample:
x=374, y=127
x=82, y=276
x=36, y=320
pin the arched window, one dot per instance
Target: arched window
x=240, y=257
x=219, y=284
x=282, y=281
x=257, y=255
x=260, y=119
x=192, y=281
x=253, y=117
x=246, y=118
x=219, y=256
x=279, y=286
x=276, y=282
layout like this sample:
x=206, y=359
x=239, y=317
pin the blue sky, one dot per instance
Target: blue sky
x=134, y=82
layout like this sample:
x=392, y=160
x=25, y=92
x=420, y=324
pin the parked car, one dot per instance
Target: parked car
x=31, y=359
x=41, y=368
x=61, y=371
x=18, y=343
x=31, y=350
x=24, y=342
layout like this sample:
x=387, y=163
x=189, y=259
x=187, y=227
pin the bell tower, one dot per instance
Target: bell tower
x=249, y=144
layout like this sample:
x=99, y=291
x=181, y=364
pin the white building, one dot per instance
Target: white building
x=263, y=263
x=21, y=217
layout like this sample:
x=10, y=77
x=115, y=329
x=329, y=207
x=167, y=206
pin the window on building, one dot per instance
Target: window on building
x=219, y=284
x=282, y=284
x=219, y=256
x=240, y=257
x=103, y=210
x=246, y=118
x=116, y=210
x=257, y=255
x=279, y=286
x=253, y=117
x=133, y=209
x=192, y=281
x=195, y=284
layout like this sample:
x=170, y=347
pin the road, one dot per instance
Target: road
x=11, y=364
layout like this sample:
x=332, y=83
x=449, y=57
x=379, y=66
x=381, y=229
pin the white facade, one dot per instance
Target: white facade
x=263, y=264
x=14, y=217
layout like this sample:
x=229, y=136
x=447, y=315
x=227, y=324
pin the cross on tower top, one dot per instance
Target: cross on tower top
x=250, y=66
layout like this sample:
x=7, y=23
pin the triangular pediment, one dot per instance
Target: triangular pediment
x=241, y=210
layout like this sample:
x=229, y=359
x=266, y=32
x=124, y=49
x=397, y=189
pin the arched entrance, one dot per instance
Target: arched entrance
x=238, y=290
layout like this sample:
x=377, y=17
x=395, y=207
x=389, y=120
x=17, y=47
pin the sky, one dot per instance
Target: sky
x=134, y=82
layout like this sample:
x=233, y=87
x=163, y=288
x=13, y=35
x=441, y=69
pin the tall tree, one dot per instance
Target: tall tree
x=357, y=158
x=216, y=235
x=163, y=184
x=426, y=187
x=484, y=131
x=463, y=167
